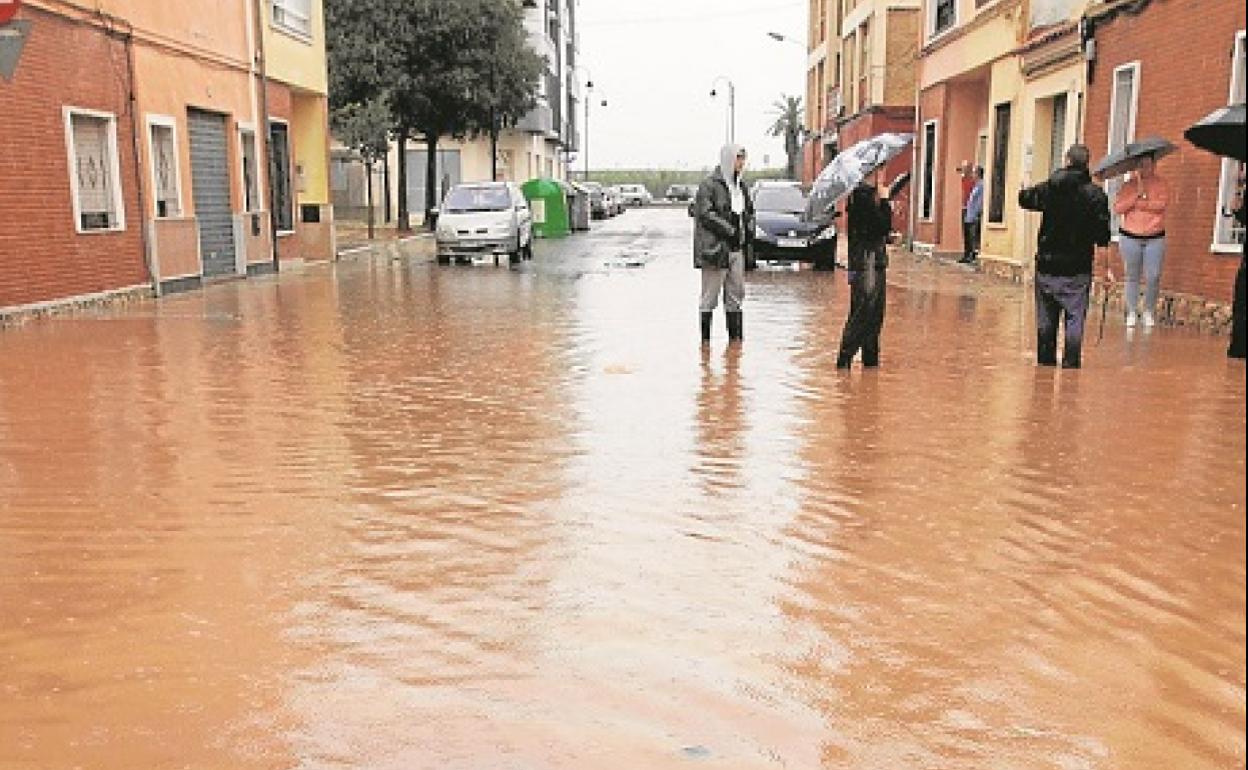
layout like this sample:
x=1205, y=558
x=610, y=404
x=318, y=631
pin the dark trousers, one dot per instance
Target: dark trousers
x=866, y=318
x=1238, y=311
x=1057, y=295
x=970, y=239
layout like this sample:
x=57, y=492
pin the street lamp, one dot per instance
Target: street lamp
x=779, y=38
x=589, y=98
x=732, y=106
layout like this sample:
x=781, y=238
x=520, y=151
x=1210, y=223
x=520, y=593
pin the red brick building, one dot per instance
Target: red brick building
x=60, y=114
x=1156, y=67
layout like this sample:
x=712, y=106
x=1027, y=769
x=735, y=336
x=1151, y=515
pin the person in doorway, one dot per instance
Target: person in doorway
x=869, y=218
x=972, y=219
x=966, y=178
x=1141, y=203
x=1239, y=310
x=1075, y=221
x=724, y=219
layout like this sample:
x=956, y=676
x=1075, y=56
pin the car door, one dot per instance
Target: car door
x=523, y=215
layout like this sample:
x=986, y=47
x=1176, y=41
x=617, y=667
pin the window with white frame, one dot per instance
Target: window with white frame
x=927, y=193
x=251, y=182
x=166, y=185
x=944, y=14
x=1229, y=234
x=1123, y=102
x=95, y=176
x=293, y=15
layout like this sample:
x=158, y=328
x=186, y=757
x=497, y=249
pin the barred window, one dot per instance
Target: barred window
x=165, y=170
x=1228, y=233
x=94, y=171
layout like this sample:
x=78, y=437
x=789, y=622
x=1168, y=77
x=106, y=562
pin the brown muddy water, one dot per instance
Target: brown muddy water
x=390, y=515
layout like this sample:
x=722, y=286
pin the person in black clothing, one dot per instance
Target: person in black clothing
x=1075, y=222
x=1239, y=310
x=870, y=218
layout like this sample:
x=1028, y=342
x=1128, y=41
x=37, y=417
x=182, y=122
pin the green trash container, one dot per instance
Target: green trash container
x=548, y=199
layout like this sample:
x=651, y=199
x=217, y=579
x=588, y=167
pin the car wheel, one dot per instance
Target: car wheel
x=444, y=259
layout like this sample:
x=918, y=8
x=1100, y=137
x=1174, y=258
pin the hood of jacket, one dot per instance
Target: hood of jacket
x=728, y=163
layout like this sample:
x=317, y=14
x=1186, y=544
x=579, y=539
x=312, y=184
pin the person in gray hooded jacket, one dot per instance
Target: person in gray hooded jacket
x=724, y=220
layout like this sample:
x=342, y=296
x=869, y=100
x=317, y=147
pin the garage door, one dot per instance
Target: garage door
x=210, y=184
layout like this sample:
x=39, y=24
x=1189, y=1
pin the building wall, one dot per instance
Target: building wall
x=1005, y=87
x=901, y=56
x=42, y=257
x=294, y=59
x=1170, y=99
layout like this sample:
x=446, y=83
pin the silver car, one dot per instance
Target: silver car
x=484, y=218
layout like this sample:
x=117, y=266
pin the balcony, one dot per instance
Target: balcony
x=539, y=120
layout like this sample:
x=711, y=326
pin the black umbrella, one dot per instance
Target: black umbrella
x=1221, y=132
x=1129, y=157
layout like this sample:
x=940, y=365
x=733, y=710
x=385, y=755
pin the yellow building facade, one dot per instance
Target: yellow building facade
x=1001, y=87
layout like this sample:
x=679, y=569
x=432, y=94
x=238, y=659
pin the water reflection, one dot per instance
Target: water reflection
x=390, y=515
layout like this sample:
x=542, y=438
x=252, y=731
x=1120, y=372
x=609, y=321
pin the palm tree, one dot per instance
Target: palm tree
x=788, y=112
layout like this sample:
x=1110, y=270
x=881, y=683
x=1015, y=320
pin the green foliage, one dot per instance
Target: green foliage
x=441, y=68
x=364, y=127
x=789, y=124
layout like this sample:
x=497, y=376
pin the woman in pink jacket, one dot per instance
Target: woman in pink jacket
x=1141, y=204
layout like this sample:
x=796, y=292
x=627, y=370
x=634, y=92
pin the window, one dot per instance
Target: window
x=1000, y=161
x=1122, y=107
x=1057, y=133
x=864, y=67
x=279, y=172
x=1228, y=234
x=293, y=16
x=944, y=16
x=927, y=200
x=251, y=181
x=95, y=175
x=164, y=154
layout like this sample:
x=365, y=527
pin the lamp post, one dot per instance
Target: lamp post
x=780, y=38
x=732, y=106
x=589, y=98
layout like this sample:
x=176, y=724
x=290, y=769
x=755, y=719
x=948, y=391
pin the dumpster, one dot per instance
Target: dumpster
x=578, y=207
x=548, y=198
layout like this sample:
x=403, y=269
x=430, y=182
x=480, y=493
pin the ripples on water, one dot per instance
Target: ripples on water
x=390, y=515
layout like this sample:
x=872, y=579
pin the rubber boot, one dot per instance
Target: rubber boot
x=735, y=331
x=706, y=326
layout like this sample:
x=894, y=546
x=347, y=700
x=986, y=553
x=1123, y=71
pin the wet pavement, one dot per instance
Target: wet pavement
x=391, y=515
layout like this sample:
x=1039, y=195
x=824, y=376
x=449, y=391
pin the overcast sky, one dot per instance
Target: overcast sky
x=655, y=62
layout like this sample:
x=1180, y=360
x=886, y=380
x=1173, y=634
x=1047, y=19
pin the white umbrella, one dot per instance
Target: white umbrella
x=850, y=167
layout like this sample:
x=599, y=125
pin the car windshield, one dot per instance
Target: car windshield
x=464, y=199
x=787, y=199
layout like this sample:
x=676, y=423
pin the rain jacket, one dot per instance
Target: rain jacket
x=1075, y=221
x=869, y=220
x=719, y=230
x=1143, y=217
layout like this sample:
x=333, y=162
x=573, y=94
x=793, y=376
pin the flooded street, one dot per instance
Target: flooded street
x=390, y=515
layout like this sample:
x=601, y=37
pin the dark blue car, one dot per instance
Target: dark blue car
x=782, y=233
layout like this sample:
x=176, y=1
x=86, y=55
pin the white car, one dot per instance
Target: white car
x=635, y=195
x=484, y=218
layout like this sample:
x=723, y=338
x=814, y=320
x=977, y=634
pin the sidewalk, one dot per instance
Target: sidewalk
x=352, y=239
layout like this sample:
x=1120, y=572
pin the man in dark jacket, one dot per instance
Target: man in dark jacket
x=724, y=218
x=869, y=219
x=1239, y=309
x=1075, y=222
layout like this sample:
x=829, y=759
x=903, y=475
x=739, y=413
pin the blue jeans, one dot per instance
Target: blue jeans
x=1057, y=295
x=1142, y=255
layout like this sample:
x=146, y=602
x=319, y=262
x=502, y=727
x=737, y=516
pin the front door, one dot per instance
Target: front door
x=210, y=186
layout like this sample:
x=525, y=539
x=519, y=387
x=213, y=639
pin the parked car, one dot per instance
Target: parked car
x=482, y=218
x=597, y=200
x=614, y=200
x=782, y=231
x=681, y=192
x=635, y=195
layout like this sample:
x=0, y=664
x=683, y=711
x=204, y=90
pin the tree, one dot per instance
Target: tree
x=788, y=112
x=443, y=68
x=365, y=128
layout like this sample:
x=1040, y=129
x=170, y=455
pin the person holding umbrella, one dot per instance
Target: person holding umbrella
x=1222, y=132
x=870, y=218
x=1075, y=221
x=1141, y=203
